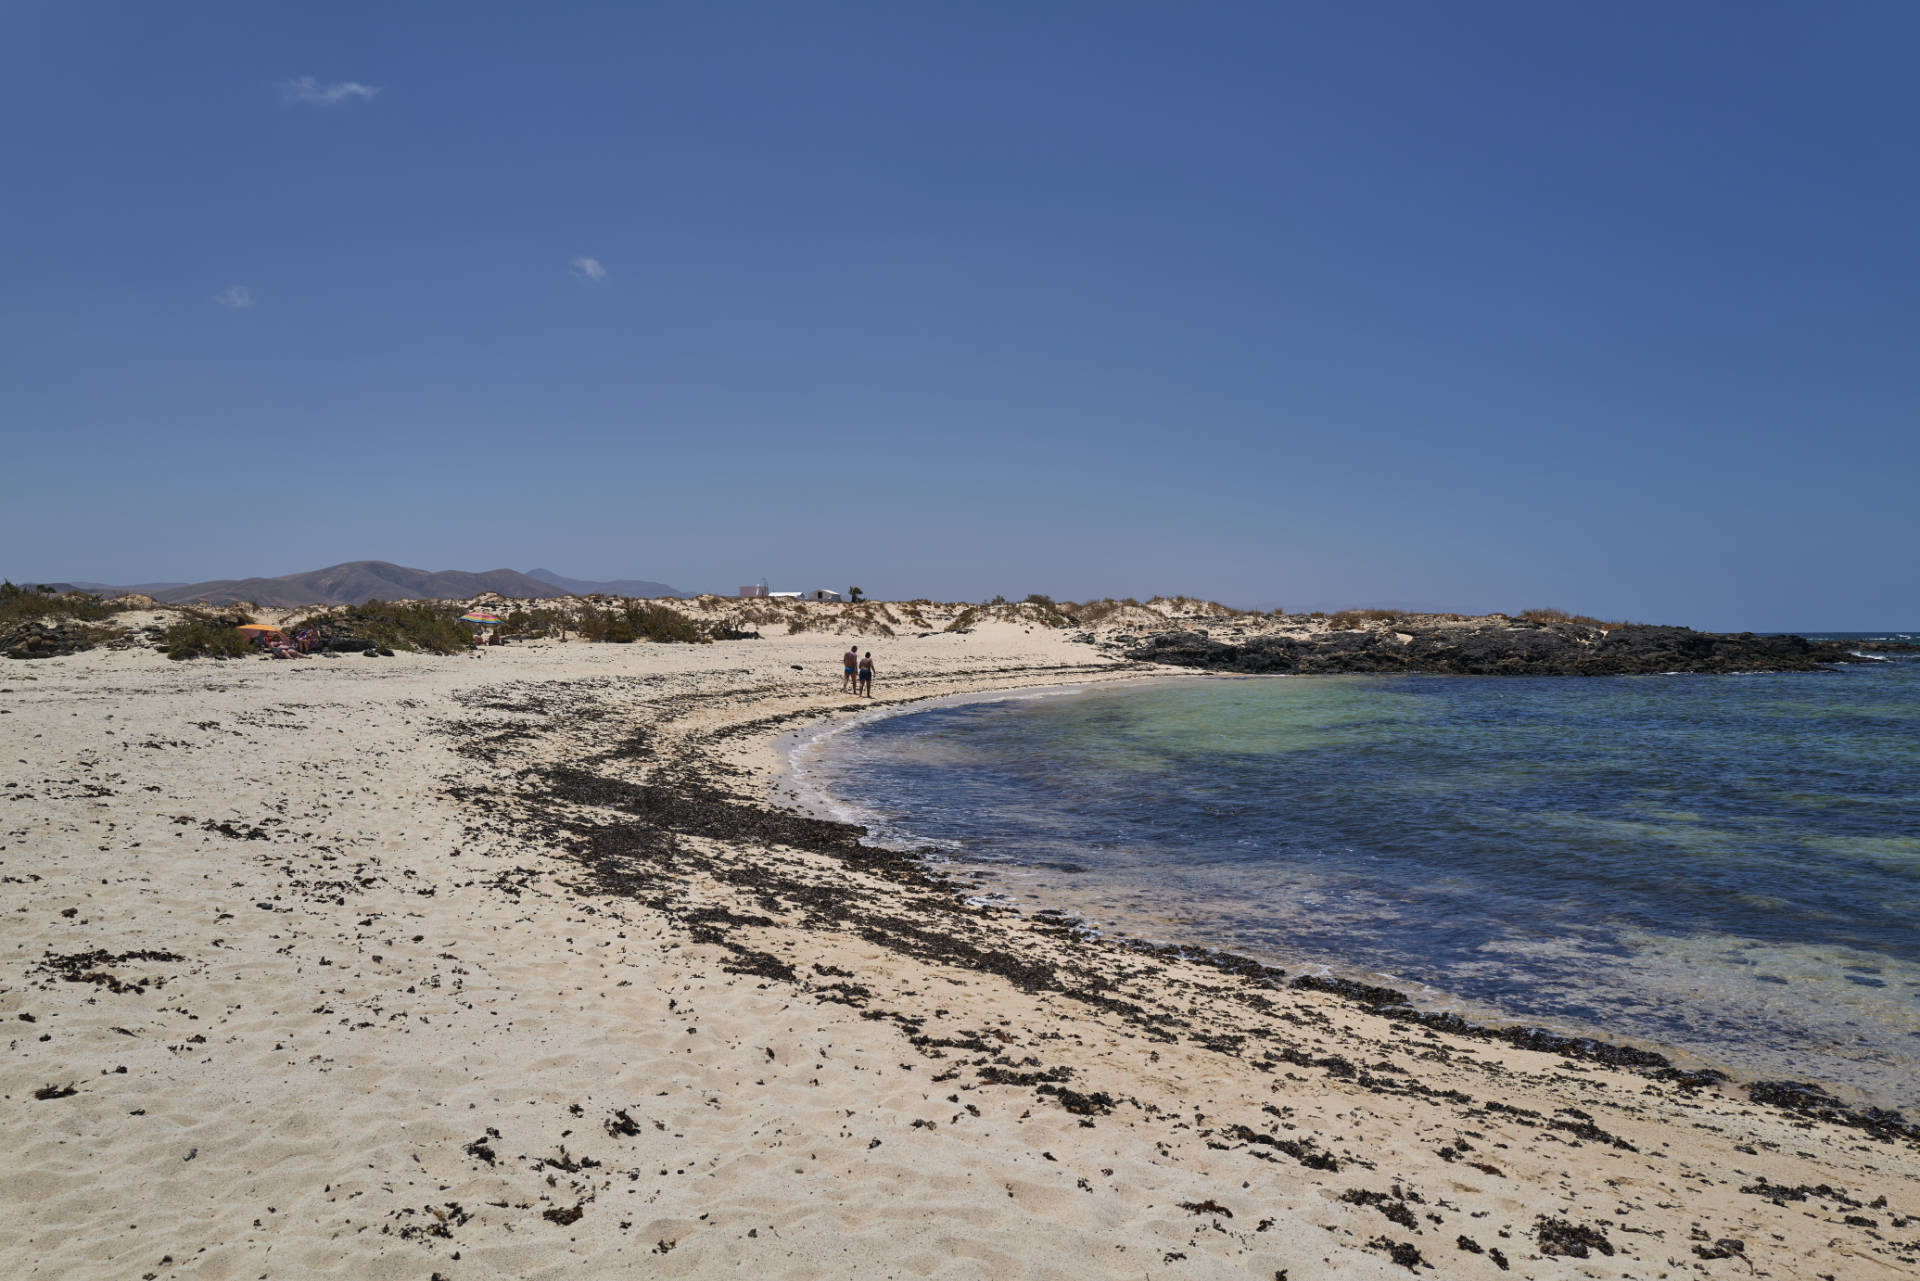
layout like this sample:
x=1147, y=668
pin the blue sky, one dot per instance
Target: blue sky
x=1483, y=305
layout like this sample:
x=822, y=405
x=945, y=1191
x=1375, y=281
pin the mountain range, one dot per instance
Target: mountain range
x=363, y=580
x=611, y=587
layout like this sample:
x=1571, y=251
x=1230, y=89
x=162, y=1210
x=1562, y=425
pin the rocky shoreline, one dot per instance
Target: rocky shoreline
x=1497, y=647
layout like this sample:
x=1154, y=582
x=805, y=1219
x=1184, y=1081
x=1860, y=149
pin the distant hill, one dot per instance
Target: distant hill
x=363, y=580
x=355, y=582
x=613, y=587
x=105, y=589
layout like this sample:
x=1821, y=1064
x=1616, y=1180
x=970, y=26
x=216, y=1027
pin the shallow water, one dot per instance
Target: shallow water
x=1727, y=866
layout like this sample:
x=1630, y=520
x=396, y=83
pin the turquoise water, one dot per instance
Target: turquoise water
x=1726, y=866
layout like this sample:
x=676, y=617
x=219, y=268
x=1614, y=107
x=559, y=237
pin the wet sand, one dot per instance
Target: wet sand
x=514, y=966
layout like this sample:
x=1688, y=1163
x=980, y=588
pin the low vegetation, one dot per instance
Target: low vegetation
x=1096, y=612
x=864, y=618
x=36, y=604
x=1194, y=605
x=538, y=621
x=1046, y=610
x=204, y=638
x=1032, y=612
x=873, y=618
x=638, y=620
x=762, y=609
x=1562, y=616
x=1353, y=619
x=422, y=626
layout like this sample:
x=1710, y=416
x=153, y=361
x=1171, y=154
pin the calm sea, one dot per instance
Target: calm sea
x=1728, y=866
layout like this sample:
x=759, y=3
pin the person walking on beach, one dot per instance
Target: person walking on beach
x=866, y=674
x=851, y=661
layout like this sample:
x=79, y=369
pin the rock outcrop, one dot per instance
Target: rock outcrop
x=45, y=640
x=1498, y=648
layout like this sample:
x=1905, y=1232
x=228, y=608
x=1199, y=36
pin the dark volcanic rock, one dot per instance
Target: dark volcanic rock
x=1497, y=648
x=41, y=640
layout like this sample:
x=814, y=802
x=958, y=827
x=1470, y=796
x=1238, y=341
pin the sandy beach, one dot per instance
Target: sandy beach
x=519, y=966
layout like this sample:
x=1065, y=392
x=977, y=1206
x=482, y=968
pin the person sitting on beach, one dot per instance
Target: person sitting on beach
x=851, y=661
x=866, y=674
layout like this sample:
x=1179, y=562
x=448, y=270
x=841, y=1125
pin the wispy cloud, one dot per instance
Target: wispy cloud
x=308, y=90
x=235, y=296
x=589, y=269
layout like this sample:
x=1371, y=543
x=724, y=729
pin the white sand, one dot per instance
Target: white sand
x=390, y=983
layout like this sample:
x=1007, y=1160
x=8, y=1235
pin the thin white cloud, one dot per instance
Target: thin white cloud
x=589, y=269
x=310, y=91
x=236, y=296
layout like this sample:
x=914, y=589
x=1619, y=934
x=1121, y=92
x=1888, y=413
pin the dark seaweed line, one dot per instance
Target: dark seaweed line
x=639, y=840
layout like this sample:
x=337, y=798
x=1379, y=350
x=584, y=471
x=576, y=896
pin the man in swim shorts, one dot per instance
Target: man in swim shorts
x=866, y=674
x=851, y=662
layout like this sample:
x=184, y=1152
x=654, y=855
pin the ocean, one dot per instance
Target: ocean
x=1727, y=867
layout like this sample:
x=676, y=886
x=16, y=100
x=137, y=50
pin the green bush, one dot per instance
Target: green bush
x=23, y=604
x=415, y=625
x=538, y=621
x=199, y=638
x=639, y=620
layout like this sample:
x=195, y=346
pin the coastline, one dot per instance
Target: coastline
x=813, y=736
x=979, y=1092
x=1135, y=912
